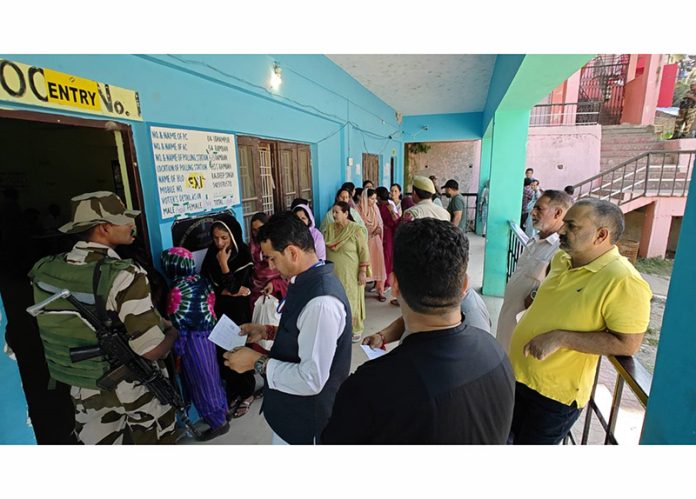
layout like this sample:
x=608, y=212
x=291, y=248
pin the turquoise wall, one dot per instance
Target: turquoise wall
x=442, y=127
x=318, y=103
x=13, y=409
x=670, y=417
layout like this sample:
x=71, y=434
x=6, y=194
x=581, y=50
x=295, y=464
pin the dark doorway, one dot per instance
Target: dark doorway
x=47, y=159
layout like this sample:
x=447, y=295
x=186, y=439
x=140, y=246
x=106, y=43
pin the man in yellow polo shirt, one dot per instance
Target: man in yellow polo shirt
x=592, y=303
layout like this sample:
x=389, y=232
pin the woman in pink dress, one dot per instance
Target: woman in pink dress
x=373, y=221
x=390, y=220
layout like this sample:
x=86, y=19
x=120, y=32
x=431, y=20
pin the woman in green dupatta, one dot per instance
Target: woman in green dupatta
x=346, y=247
x=344, y=196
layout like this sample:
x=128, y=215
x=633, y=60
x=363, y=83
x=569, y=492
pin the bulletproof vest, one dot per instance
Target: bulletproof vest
x=61, y=327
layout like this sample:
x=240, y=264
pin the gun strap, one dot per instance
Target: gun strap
x=99, y=302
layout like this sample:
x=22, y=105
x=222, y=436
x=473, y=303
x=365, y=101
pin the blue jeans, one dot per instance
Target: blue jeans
x=539, y=420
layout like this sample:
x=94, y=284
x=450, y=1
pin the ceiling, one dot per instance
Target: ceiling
x=423, y=84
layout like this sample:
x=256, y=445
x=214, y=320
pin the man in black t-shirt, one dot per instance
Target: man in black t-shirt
x=446, y=383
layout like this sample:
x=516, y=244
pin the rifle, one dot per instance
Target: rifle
x=125, y=363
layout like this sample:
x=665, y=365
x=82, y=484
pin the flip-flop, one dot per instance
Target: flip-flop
x=382, y=298
x=244, y=406
x=394, y=302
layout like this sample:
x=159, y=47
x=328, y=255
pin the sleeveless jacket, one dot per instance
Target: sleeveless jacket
x=294, y=418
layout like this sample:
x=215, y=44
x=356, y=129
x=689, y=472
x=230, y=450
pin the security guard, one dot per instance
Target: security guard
x=129, y=413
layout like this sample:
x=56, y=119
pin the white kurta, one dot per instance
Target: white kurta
x=531, y=270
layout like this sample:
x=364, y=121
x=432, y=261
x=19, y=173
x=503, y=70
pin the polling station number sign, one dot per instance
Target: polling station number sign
x=196, y=171
x=45, y=87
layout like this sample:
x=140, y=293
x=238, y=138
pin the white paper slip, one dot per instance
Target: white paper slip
x=372, y=353
x=226, y=334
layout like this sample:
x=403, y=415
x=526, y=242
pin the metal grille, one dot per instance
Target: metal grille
x=267, y=185
x=569, y=114
x=603, y=80
x=516, y=243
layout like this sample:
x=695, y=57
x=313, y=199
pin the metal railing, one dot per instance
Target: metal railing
x=566, y=114
x=516, y=243
x=628, y=372
x=654, y=173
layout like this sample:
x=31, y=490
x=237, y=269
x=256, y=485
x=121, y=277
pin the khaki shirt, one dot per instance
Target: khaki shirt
x=427, y=209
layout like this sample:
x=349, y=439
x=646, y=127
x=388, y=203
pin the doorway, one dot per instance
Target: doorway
x=47, y=159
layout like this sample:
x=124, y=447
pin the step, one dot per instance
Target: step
x=627, y=129
x=646, y=147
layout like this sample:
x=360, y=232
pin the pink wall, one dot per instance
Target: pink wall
x=658, y=221
x=640, y=97
x=575, y=148
x=669, y=79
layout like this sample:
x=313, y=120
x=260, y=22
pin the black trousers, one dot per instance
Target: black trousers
x=539, y=420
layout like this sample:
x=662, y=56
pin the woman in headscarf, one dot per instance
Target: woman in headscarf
x=343, y=195
x=264, y=279
x=346, y=247
x=190, y=306
x=304, y=213
x=375, y=228
x=228, y=266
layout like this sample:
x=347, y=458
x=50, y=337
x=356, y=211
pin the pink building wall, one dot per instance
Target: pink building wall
x=669, y=79
x=575, y=149
x=641, y=93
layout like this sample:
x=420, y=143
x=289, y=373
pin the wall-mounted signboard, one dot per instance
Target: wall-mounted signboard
x=196, y=171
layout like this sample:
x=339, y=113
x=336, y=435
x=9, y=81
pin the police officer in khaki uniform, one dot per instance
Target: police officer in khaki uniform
x=130, y=412
x=423, y=189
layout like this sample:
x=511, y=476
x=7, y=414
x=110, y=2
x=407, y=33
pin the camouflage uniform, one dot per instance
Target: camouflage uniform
x=129, y=412
x=104, y=417
x=687, y=115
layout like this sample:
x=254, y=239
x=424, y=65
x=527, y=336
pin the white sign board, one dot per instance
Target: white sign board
x=196, y=171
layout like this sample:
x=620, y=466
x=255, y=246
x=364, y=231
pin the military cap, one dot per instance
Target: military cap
x=94, y=208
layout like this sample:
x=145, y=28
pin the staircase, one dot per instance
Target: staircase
x=657, y=173
x=623, y=142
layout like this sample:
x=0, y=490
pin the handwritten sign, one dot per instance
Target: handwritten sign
x=196, y=170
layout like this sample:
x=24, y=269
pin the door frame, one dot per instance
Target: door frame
x=136, y=190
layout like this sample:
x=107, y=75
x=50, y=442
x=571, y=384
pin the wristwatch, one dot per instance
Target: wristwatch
x=260, y=365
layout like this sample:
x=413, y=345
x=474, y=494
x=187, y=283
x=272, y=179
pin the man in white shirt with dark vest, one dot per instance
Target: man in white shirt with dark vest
x=310, y=357
x=547, y=218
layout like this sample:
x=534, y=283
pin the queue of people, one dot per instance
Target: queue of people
x=447, y=381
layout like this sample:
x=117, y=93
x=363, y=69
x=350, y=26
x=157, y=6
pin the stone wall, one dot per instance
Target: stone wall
x=445, y=160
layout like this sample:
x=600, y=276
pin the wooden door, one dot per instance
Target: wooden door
x=371, y=168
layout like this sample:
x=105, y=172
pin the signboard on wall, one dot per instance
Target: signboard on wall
x=196, y=170
x=45, y=87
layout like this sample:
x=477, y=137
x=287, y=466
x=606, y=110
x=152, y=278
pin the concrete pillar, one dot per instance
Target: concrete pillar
x=484, y=173
x=572, y=89
x=670, y=417
x=658, y=221
x=508, y=155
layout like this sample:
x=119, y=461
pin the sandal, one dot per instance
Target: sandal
x=394, y=302
x=381, y=298
x=243, y=407
x=357, y=337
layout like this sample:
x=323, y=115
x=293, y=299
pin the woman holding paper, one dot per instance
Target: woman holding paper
x=228, y=266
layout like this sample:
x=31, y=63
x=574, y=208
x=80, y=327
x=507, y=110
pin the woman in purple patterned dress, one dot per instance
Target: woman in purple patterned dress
x=191, y=307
